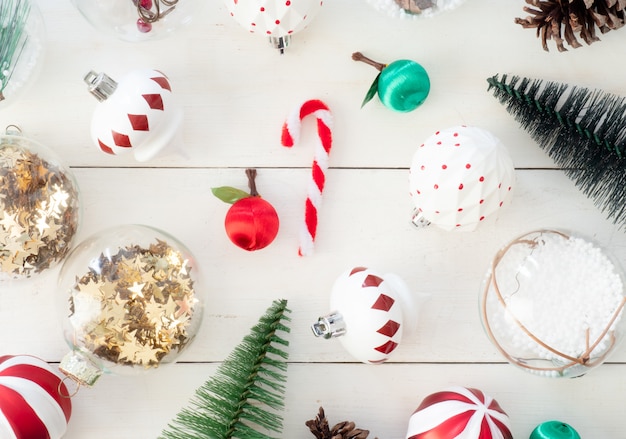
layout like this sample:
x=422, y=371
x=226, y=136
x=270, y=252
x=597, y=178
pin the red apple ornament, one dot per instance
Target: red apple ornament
x=251, y=222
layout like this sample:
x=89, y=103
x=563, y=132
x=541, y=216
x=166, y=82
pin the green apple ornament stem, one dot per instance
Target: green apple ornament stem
x=402, y=85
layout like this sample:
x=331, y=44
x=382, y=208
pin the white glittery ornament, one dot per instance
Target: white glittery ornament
x=459, y=177
x=552, y=303
x=414, y=9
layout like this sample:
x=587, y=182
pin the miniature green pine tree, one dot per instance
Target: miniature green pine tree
x=243, y=397
x=584, y=132
x=13, y=16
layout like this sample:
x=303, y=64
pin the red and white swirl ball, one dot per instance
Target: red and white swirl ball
x=459, y=413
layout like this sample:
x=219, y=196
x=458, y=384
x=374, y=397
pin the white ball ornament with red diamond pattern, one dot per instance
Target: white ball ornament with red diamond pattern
x=276, y=19
x=459, y=413
x=139, y=114
x=459, y=177
x=34, y=402
x=370, y=314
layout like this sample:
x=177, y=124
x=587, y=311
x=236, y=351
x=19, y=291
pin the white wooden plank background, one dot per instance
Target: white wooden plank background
x=236, y=92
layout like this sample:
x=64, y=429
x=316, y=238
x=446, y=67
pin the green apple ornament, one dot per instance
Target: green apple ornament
x=402, y=85
x=251, y=222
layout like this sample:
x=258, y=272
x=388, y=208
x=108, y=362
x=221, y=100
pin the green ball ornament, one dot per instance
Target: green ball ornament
x=402, y=85
x=554, y=430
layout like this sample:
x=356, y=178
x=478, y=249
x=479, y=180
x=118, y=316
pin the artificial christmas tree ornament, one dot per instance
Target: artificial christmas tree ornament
x=552, y=303
x=580, y=129
x=557, y=19
x=414, y=8
x=130, y=300
x=402, y=85
x=138, y=114
x=39, y=207
x=554, y=430
x=291, y=135
x=459, y=177
x=33, y=399
x=251, y=222
x=276, y=19
x=245, y=396
x=459, y=412
x=370, y=314
x=139, y=20
x=343, y=430
x=22, y=37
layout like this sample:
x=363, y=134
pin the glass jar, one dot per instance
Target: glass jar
x=552, y=303
x=129, y=301
x=139, y=20
x=39, y=207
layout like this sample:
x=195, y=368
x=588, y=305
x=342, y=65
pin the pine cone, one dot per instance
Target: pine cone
x=558, y=19
x=343, y=430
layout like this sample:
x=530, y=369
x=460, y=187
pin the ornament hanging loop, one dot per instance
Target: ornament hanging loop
x=62, y=384
x=13, y=130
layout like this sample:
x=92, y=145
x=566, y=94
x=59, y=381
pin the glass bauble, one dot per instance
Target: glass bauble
x=414, y=8
x=139, y=20
x=22, y=35
x=552, y=303
x=130, y=300
x=39, y=207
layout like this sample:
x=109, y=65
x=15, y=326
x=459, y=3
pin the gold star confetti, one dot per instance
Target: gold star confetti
x=147, y=305
x=38, y=211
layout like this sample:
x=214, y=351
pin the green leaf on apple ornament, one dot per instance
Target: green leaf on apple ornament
x=372, y=91
x=229, y=194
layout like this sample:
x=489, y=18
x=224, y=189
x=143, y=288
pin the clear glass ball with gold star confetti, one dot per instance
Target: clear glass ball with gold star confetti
x=131, y=300
x=39, y=207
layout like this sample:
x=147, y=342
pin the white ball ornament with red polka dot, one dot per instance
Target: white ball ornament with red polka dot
x=459, y=177
x=277, y=19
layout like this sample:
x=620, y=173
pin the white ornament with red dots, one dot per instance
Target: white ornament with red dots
x=459, y=412
x=138, y=114
x=273, y=18
x=460, y=176
x=370, y=314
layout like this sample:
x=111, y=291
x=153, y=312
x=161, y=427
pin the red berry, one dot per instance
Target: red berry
x=146, y=4
x=143, y=27
x=251, y=223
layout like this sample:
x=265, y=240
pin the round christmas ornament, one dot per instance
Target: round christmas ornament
x=370, y=314
x=138, y=114
x=459, y=412
x=39, y=207
x=412, y=9
x=552, y=303
x=139, y=20
x=251, y=222
x=129, y=301
x=22, y=35
x=33, y=399
x=554, y=430
x=459, y=177
x=402, y=85
x=276, y=19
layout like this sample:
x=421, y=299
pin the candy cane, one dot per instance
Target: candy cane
x=290, y=135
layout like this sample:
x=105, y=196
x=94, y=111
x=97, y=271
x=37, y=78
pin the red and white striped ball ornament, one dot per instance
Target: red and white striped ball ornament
x=459, y=413
x=276, y=19
x=459, y=177
x=138, y=114
x=370, y=314
x=34, y=402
